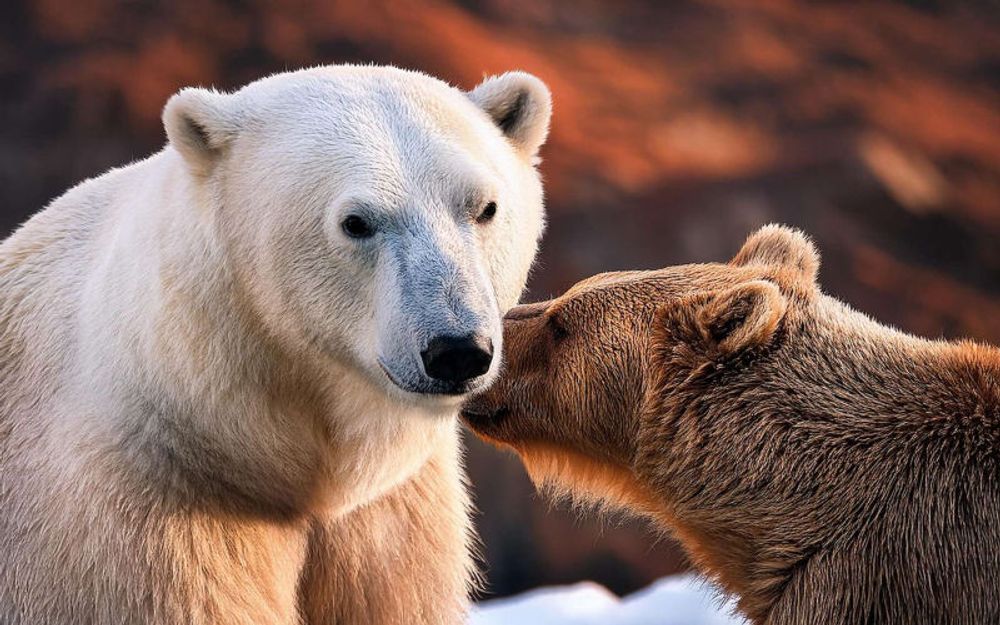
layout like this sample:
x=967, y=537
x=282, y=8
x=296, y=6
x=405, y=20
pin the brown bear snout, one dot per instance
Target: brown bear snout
x=527, y=311
x=488, y=411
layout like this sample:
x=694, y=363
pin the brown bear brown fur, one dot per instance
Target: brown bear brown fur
x=819, y=466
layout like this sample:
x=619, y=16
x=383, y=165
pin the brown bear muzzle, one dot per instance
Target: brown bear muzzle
x=527, y=311
x=488, y=413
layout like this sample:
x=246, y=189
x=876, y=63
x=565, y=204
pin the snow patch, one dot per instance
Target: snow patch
x=677, y=600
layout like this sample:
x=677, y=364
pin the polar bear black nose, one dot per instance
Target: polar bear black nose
x=457, y=358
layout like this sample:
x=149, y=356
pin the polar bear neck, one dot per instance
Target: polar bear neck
x=167, y=363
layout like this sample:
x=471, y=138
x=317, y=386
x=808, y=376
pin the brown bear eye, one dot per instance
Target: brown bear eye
x=488, y=213
x=357, y=227
x=557, y=328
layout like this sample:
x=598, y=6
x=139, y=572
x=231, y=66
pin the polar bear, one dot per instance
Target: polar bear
x=229, y=373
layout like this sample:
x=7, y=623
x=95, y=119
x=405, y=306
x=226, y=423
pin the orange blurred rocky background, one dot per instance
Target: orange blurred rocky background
x=679, y=127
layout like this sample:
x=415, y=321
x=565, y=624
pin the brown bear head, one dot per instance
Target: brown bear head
x=585, y=369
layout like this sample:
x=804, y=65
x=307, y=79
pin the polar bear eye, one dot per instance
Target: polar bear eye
x=489, y=211
x=357, y=227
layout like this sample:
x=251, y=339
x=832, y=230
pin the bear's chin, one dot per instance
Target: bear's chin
x=428, y=394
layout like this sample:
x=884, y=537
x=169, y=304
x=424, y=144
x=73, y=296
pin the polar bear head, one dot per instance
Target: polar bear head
x=374, y=217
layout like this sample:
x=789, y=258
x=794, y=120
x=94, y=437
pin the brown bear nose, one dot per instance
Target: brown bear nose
x=527, y=311
x=457, y=358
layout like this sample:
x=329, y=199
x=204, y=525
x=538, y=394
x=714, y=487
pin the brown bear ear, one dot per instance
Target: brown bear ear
x=199, y=125
x=740, y=318
x=520, y=105
x=783, y=248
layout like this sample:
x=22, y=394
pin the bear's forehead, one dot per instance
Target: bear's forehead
x=644, y=282
x=644, y=288
x=376, y=125
x=363, y=99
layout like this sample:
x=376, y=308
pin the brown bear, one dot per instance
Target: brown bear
x=819, y=466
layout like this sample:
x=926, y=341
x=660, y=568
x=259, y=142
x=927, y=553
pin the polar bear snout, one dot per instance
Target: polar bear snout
x=457, y=359
x=439, y=319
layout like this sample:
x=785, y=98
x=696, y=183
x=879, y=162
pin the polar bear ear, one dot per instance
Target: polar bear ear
x=520, y=105
x=199, y=125
x=783, y=248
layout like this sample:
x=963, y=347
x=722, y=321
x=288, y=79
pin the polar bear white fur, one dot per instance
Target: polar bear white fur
x=212, y=402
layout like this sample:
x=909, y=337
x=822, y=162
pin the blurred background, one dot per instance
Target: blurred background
x=679, y=127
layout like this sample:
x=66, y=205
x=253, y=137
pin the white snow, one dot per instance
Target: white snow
x=676, y=600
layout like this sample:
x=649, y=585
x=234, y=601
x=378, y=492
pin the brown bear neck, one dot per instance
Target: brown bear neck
x=843, y=439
